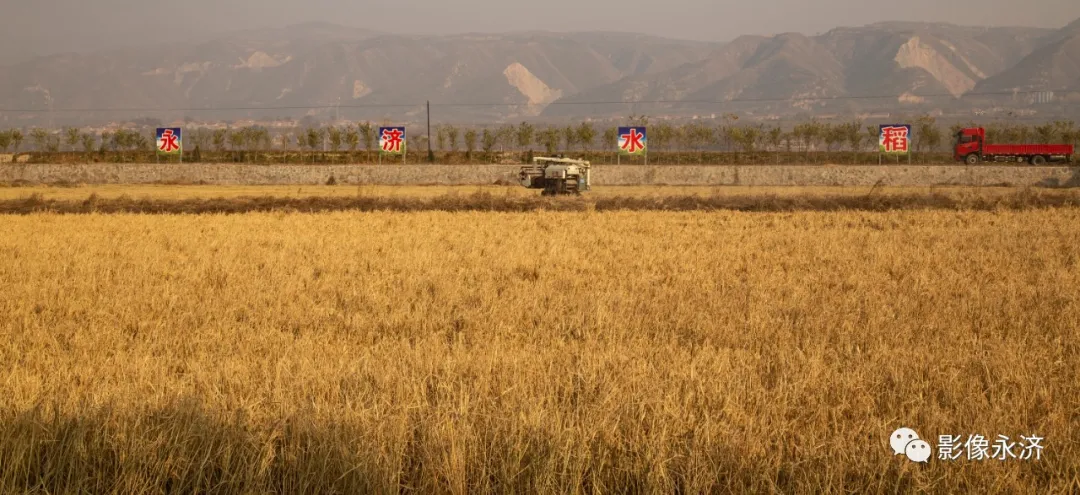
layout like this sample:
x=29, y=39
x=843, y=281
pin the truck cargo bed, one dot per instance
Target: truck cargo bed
x=1028, y=149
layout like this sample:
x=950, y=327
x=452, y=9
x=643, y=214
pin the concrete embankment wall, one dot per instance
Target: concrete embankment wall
x=603, y=175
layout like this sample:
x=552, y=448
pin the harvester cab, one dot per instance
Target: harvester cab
x=556, y=175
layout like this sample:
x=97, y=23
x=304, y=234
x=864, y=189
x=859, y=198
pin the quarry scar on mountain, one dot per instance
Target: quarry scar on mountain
x=538, y=93
x=915, y=54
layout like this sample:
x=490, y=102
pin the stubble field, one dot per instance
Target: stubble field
x=539, y=351
x=74, y=192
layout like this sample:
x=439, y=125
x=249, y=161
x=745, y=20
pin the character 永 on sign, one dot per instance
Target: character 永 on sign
x=168, y=142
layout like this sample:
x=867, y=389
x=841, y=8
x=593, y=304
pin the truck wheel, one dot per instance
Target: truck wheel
x=972, y=159
x=1038, y=160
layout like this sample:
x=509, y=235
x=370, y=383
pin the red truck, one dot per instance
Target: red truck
x=971, y=148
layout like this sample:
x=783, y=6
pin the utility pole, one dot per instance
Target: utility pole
x=48, y=101
x=430, y=154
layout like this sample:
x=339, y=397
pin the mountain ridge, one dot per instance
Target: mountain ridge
x=317, y=68
x=911, y=64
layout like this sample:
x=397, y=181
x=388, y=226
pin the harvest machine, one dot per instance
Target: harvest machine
x=556, y=175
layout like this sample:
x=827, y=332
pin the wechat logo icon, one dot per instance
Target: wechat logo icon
x=906, y=441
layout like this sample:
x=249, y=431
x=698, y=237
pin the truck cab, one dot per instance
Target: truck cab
x=969, y=144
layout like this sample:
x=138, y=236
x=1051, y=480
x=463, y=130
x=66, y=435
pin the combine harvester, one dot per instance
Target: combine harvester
x=972, y=148
x=556, y=175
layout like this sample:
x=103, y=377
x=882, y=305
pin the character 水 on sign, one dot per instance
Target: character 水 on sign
x=632, y=141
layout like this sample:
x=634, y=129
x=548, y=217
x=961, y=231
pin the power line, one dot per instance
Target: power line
x=759, y=100
x=212, y=109
x=503, y=104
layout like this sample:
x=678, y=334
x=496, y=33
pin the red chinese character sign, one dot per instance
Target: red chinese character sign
x=392, y=140
x=632, y=141
x=894, y=138
x=169, y=141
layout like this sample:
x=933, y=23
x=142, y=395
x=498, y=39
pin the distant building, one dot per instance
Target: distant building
x=1043, y=97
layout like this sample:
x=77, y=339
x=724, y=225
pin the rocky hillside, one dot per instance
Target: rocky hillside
x=365, y=74
x=881, y=65
x=1054, y=66
x=288, y=70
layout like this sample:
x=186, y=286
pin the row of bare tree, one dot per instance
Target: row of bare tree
x=50, y=142
x=663, y=136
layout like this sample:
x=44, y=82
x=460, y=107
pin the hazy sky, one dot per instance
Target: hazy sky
x=36, y=27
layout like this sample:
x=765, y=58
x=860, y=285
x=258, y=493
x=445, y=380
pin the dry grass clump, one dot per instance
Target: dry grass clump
x=472, y=352
x=487, y=202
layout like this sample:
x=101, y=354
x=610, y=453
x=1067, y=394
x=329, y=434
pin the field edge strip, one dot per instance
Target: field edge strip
x=485, y=202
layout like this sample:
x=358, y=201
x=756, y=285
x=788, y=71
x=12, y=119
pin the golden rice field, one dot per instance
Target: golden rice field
x=550, y=352
x=173, y=192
